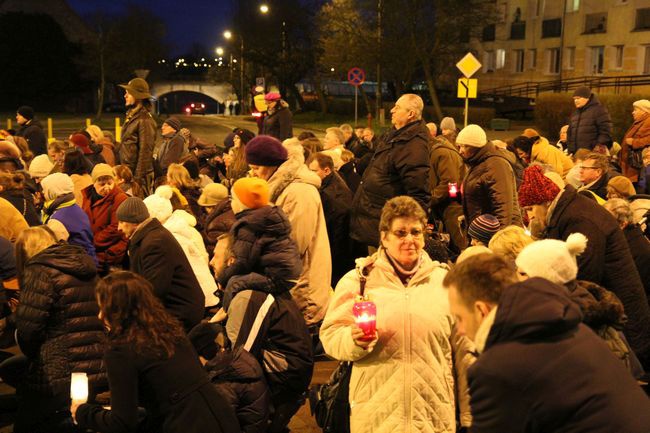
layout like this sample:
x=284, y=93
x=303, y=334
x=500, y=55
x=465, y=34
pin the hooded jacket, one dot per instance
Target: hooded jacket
x=294, y=188
x=138, y=139
x=407, y=381
x=490, y=187
x=399, y=166
x=32, y=131
x=76, y=222
x=545, y=153
x=589, y=126
x=607, y=261
x=56, y=320
x=543, y=371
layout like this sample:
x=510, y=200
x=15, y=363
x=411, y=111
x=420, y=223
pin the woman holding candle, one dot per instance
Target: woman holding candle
x=150, y=363
x=403, y=375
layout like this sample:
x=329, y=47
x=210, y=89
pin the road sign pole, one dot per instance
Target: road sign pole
x=466, y=109
x=356, y=102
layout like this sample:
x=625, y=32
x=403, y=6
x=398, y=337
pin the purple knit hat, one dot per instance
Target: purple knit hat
x=266, y=151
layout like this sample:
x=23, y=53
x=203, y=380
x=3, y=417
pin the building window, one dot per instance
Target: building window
x=552, y=28
x=596, y=23
x=642, y=19
x=518, y=30
x=519, y=60
x=489, y=61
x=553, y=61
x=618, y=57
x=500, y=60
x=572, y=5
x=533, y=58
x=489, y=33
x=597, y=60
x=570, y=57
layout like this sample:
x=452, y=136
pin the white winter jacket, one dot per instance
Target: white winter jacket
x=405, y=383
x=181, y=225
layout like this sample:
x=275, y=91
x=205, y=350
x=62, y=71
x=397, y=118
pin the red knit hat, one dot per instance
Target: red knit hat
x=536, y=188
x=81, y=142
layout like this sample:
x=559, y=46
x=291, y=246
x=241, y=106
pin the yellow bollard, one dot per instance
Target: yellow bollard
x=8, y=124
x=88, y=123
x=118, y=130
x=49, y=128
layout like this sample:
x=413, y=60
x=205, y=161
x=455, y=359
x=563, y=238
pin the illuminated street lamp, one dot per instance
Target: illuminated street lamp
x=264, y=8
x=227, y=34
x=219, y=51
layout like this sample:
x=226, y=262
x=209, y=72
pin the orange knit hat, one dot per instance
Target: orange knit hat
x=252, y=192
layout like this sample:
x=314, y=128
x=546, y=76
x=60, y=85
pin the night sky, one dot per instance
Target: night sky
x=187, y=21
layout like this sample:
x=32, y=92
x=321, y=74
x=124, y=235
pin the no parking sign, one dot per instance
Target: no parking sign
x=356, y=76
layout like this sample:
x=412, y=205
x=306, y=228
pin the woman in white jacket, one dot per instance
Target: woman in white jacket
x=405, y=380
x=181, y=224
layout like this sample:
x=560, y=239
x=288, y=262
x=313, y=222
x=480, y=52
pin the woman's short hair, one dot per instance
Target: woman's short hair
x=524, y=143
x=178, y=176
x=337, y=132
x=621, y=210
x=75, y=162
x=57, y=146
x=509, y=241
x=30, y=242
x=600, y=161
x=401, y=206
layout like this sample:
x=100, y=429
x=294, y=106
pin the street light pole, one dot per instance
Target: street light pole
x=241, y=78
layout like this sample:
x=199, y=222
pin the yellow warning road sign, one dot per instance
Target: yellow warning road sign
x=467, y=88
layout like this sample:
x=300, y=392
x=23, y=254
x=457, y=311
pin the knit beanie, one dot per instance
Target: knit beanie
x=642, y=104
x=174, y=123
x=472, y=135
x=56, y=184
x=536, y=188
x=483, y=228
x=81, y=142
x=252, y=192
x=101, y=170
x=212, y=194
x=622, y=185
x=132, y=210
x=159, y=207
x=244, y=134
x=266, y=151
x=553, y=259
x=582, y=92
x=26, y=111
x=40, y=166
x=448, y=123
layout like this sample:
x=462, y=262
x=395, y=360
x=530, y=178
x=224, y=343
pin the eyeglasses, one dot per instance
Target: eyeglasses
x=402, y=234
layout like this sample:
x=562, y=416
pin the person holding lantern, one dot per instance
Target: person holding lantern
x=400, y=335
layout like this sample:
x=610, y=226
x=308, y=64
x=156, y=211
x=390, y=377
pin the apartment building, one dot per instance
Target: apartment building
x=542, y=40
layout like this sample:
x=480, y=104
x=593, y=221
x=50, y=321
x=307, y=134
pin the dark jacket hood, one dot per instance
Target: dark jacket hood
x=533, y=310
x=236, y=366
x=69, y=259
x=485, y=152
x=599, y=306
x=268, y=219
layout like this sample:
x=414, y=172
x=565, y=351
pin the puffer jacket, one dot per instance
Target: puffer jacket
x=294, y=188
x=544, y=153
x=399, y=166
x=32, y=131
x=489, y=187
x=181, y=225
x=110, y=243
x=639, y=132
x=404, y=383
x=607, y=261
x=56, y=321
x=217, y=222
x=279, y=122
x=589, y=126
x=138, y=140
x=262, y=244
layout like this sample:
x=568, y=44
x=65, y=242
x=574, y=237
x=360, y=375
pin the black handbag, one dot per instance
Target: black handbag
x=635, y=158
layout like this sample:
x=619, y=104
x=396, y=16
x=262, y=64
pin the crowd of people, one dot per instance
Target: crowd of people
x=196, y=285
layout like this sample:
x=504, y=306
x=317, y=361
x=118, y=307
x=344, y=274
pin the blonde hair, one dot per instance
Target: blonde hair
x=57, y=146
x=347, y=156
x=30, y=242
x=178, y=176
x=509, y=241
x=96, y=133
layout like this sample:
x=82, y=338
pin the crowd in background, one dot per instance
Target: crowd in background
x=197, y=284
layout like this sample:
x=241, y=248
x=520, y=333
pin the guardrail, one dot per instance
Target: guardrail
x=50, y=128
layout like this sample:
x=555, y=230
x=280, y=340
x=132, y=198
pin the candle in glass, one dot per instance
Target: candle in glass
x=79, y=387
x=365, y=316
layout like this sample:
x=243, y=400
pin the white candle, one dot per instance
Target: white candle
x=79, y=387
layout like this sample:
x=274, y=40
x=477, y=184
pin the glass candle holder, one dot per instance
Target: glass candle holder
x=79, y=387
x=365, y=316
x=452, y=189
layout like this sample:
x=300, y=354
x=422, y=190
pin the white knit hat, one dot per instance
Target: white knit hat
x=553, y=259
x=642, y=104
x=448, y=123
x=472, y=135
x=40, y=166
x=159, y=207
x=56, y=184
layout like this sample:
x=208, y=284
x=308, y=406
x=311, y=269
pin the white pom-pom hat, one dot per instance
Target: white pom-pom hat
x=553, y=259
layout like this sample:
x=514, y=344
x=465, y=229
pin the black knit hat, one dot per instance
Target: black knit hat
x=132, y=210
x=244, y=134
x=26, y=111
x=174, y=123
x=582, y=92
x=266, y=151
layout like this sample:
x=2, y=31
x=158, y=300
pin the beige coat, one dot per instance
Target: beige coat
x=406, y=382
x=294, y=188
x=13, y=222
x=543, y=152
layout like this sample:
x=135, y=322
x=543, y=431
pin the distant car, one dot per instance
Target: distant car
x=195, y=108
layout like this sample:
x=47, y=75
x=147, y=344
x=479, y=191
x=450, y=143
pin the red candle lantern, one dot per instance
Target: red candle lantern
x=453, y=189
x=365, y=316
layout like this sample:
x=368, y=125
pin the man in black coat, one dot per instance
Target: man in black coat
x=155, y=254
x=337, y=204
x=399, y=166
x=594, y=175
x=31, y=130
x=590, y=125
x=607, y=261
x=540, y=369
x=352, y=142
